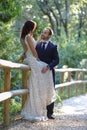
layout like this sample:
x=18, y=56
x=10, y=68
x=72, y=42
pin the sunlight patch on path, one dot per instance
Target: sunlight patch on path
x=73, y=106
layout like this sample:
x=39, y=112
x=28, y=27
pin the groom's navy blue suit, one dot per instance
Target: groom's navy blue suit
x=51, y=57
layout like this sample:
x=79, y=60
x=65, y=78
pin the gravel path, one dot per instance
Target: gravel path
x=71, y=115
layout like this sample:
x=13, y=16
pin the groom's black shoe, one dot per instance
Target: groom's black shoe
x=51, y=117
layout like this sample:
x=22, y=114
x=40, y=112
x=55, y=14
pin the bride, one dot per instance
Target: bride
x=41, y=87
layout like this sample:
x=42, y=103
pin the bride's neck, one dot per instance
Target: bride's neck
x=31, y=33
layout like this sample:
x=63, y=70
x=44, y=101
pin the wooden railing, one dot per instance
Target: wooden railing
x=7, y=94
x=67, y=80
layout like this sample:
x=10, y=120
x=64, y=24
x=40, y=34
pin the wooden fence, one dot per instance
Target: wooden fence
x=7, y=94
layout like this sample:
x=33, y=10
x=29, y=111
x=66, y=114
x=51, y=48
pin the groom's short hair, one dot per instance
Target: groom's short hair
x=50, y=30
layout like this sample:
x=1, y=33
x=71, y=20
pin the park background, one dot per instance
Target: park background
x=68, y=19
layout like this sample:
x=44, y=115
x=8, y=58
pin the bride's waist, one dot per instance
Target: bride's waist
x=30, y=57
x=28, y=54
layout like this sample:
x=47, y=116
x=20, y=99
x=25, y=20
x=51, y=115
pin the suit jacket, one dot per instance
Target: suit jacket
x=49, y=55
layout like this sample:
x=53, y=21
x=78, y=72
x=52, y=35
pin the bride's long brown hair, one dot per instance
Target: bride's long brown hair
x=27, y=27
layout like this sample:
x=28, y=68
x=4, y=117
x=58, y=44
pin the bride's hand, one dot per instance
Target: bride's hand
x=44, y=69
x=38, y=59
x=22, y=57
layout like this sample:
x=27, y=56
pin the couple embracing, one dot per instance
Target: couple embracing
x=41, y=56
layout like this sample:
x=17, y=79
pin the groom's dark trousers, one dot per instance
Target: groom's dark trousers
x=51, y=57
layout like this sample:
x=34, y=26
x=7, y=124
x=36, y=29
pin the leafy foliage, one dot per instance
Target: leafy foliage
x=68, y=21
x=9, y=9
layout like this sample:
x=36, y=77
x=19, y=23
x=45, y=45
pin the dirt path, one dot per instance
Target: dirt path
x=72, y=115
x=60, y=123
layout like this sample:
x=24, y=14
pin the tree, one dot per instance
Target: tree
x=9, y=9
x=69, y=16
x=54, y=11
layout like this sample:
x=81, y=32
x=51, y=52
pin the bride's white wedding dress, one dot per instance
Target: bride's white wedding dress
x=41, y=88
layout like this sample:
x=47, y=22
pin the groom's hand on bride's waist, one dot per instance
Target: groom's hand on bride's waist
x=45, y=69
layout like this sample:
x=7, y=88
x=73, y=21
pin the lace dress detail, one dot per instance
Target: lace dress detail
x=41, y=89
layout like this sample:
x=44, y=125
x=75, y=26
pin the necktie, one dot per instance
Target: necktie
x=44, y=45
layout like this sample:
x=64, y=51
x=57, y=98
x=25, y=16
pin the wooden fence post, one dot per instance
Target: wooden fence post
x=24, y=84
x=7, y=102
x=62, y=81
x=83, y=86
x=69, y=79
x=76, y=84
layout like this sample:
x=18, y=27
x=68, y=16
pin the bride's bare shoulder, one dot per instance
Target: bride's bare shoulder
x=28, y=36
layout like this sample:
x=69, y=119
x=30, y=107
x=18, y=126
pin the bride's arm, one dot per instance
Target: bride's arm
x=30, y=43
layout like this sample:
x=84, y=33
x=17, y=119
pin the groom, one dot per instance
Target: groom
x=47, y=52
